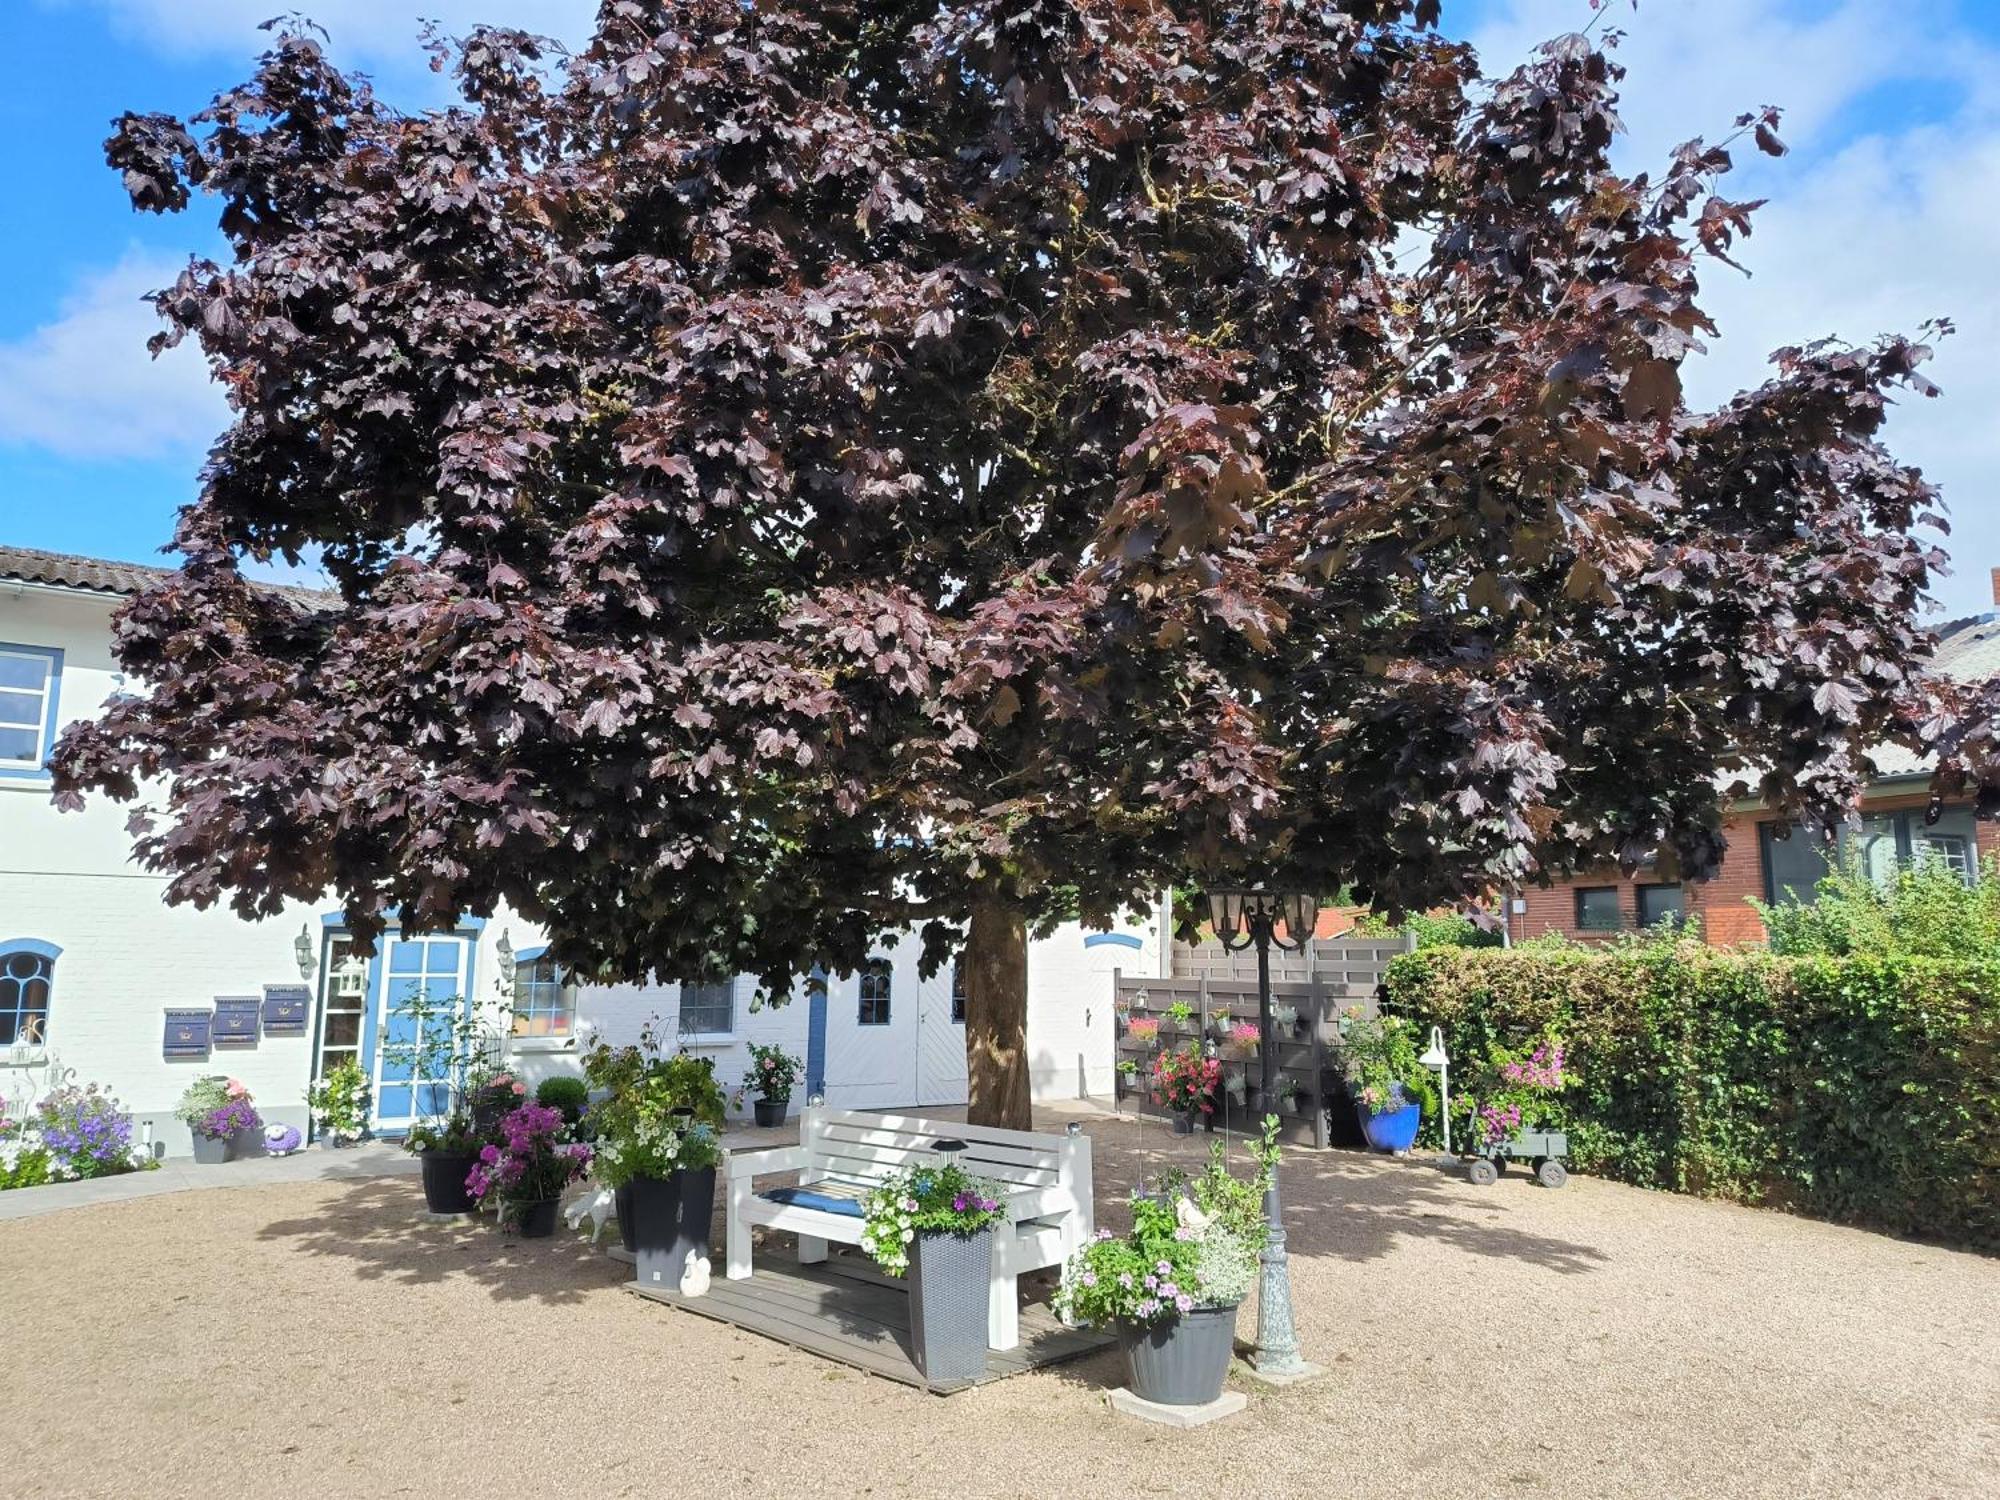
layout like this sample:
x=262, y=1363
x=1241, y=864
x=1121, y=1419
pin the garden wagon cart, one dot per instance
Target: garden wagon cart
x=1545, y=1148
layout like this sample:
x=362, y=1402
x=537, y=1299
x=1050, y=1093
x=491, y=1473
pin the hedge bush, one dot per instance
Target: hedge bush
x=1863, y=1089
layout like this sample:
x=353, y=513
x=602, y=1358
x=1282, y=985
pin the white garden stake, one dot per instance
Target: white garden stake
x=1435, y=1059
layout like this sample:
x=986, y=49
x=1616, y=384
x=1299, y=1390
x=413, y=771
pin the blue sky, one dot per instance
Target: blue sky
x=1887, y=211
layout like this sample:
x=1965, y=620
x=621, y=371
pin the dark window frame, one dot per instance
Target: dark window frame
x=876, y=993
x=1906, y=825
x=1618, y=916
x=958, y=991
x=712, y=998
x=1679, y=912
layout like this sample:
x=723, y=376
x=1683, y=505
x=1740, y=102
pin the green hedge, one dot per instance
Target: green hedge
x=1864, y=1090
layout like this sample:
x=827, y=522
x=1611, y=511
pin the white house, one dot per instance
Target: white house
x=100, y=979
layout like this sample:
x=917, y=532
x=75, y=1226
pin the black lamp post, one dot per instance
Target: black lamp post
x=1243, y=917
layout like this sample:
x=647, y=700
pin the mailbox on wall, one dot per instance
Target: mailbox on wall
x=236, y=1020
x=187, y=1034
x=286, y=1008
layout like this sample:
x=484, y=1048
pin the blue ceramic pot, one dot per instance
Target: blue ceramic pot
x=1391, y=1129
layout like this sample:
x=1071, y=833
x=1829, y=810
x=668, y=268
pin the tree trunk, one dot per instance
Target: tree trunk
x=996, y=1014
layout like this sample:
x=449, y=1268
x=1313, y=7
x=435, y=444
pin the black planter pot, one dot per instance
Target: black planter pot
x=627, y=1236
x=1182, y=1363
x=537, y=1220
x=949, y=1277
x=670, y=1219
x=1183, y=1124
x=487, y=1108
x=444, y=1181
x=212, y=1151
x=770, y=1112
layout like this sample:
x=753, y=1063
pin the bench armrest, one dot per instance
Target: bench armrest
x=1041, y=1203
x=754, y=1163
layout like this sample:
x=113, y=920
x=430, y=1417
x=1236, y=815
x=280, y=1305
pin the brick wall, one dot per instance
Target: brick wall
x=1722, y=902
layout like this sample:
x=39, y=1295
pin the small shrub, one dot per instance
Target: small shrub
x=570, y=1095
x=85, y=1131
x=29, y=1168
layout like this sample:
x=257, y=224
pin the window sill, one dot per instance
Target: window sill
x=696, y=1041
x=23, y=1057
x=26, y=781
x=541, y=1044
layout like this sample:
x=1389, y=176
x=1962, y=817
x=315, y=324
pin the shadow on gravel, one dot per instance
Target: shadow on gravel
x=379, y=1230
x=1349, y=1205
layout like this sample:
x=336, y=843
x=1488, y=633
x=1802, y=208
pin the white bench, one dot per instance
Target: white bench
x=844, y=1154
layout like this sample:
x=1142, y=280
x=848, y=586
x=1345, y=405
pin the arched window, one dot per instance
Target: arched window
x=544, y=997
x=27, y=985
x=875, y=987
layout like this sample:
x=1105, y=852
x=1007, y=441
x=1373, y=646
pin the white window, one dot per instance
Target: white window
x=29, y=677
x=544, y=997
x=708, y=1009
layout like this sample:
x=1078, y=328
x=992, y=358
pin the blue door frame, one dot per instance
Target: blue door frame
x=402, y=966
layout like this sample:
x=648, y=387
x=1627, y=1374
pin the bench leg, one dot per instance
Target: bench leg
x=1003, y=1312
x=811, y=1251
x=738, y=1268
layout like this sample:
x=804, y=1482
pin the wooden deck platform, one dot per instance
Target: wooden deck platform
x=846, y=1310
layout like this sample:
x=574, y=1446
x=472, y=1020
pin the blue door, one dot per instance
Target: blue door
x=419, y=989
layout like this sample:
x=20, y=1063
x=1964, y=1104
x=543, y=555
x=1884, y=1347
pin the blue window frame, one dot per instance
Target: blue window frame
x=27, y=988
x=30, y=689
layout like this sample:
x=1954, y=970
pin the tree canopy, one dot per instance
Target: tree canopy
x=796, y=471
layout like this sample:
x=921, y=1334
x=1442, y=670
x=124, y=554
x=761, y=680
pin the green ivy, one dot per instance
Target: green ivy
x=1863, y=1089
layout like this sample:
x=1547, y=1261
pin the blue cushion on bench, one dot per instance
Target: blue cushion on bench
x=828, y=1199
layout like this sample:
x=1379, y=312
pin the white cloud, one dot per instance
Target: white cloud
x=363, y=32
x=83, y=385
x=1887, y=211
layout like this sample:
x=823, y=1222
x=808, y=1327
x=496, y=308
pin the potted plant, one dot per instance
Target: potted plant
x=339, y=1102
x=1237, y=1086
x=492, y=1094
x=1127, y=1070
x=217, y=1110
x=1170, y=1288
x=447, y=1150
x=660, y=1140
x=773, y=1072
x=1291, y=1096
x=1185, y=1081
x=935, y=1224
x=1145, y=1029
x=1181, y=1015
x=528, y=1168
x=1246, y=1035
x=1392, y=1091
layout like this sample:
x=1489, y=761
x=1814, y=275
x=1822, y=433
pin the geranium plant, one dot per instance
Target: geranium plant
x=1144, y=1029
x=532, y=1162
x=773, y=1072
x=1185, y=1081
x=1380, y=1056
x=924, y=1200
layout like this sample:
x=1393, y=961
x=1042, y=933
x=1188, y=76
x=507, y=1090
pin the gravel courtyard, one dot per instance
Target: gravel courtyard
x=320, y=1339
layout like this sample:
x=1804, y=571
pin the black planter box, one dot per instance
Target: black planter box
x=444, y=1181
x=670, y=1218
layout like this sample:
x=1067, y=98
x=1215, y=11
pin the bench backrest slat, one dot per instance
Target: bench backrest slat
x=867, y=1148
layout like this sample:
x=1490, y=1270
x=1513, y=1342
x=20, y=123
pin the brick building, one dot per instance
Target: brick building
x=1762, y=864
